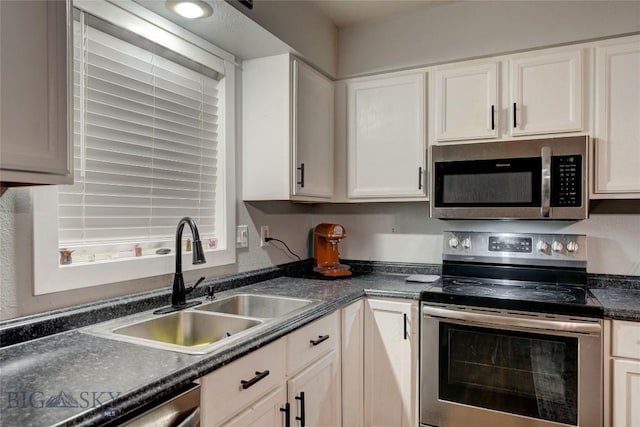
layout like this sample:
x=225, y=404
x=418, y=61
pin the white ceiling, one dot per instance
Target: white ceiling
x=344, y=13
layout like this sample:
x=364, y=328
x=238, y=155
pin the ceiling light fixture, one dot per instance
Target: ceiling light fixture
x=191, y=9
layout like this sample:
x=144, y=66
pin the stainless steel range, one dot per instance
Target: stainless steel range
x=511, y=336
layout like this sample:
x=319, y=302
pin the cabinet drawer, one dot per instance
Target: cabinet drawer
x=222, y=392
x=312, y=341
x=625, y=339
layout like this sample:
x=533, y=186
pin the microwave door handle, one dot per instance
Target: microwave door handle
x=546, y=181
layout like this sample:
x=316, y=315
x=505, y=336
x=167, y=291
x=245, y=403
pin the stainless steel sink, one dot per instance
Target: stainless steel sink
x=184, y=331
x=259, y=306
x=204, y=328
x=188, y=328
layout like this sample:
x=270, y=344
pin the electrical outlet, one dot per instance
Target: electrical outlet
x=264, y=233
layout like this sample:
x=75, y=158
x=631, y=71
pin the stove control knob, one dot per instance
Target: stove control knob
x=466, y=243
x=542, y=246
x=572, y=247
x=454, y=242
x=557, y=246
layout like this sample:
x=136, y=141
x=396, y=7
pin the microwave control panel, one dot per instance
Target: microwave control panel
x=566, y=181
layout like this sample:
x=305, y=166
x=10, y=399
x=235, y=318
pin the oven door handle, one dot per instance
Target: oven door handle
x=491, y=319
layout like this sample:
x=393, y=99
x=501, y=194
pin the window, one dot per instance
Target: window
x=151, y=136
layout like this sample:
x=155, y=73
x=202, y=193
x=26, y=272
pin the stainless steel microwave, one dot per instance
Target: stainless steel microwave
x=525, y=179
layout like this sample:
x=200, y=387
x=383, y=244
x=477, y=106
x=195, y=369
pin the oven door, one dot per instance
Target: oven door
x=485, y=368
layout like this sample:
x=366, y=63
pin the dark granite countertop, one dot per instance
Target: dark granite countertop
x=619, y=303
x=73, y=378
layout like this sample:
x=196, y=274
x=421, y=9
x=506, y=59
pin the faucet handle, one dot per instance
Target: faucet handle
x=194, y=286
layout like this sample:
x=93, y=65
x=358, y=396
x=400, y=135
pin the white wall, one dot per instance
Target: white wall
x=403, y=232
x=472, y=29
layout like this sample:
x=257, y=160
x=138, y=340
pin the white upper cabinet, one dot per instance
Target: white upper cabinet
x=546, y=92
x=617, y=119
x=313, y=132
x=386, y=150
x=466, y=102
x=533, y=93
x=287, y=131
x=34, y=82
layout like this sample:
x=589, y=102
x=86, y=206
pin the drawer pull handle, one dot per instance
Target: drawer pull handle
x=405, y=335
x=259, y=376
x=287, y=411
x=493, y=117
x=320, y=339
x=301, y=169
x=301, y=418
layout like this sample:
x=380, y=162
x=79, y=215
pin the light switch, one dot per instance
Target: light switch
x=242, y=236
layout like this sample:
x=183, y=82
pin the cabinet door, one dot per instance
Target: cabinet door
x=617, y=126
x=466, y=102
x=313, y=132
x=626, y=393
x=390, y=363
x=314, y=394
x=34, y=119
x=386, y=137
x=267, y=412
x=352, y=369
x=546, y=93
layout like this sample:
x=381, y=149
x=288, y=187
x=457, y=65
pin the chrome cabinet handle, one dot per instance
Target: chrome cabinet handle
x=259, y=376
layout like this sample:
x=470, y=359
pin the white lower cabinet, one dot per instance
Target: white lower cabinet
x=352, y=364
x=390, y=363
x=622, y=373
x=301, y=371
x=626, y=393
x=314, y=393
x=355, y=367
x=267, y=412
x=237, y=387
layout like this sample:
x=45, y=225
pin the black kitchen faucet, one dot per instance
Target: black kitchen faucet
x=179, y=293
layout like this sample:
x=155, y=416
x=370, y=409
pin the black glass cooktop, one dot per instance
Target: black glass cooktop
x=519, y=295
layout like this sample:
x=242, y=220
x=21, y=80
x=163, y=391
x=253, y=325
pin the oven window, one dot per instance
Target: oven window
x=533, y=375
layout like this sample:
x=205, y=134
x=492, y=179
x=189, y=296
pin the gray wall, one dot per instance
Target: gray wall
x=403, y=232
x=286, y=221
x=471, y=29
x=300, y=25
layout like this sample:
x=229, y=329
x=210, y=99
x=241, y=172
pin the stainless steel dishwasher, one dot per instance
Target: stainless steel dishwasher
x=180, y=409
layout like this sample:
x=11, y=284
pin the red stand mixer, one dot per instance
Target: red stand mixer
x=325, y=250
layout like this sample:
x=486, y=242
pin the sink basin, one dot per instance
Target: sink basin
x=260, y=306
x=187, y=329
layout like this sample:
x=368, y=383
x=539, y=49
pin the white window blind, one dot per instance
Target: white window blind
x=145, y=143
